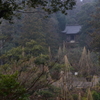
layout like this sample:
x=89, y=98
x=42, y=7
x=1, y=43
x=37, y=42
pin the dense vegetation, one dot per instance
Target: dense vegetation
x=9, y=8
x=36, y=63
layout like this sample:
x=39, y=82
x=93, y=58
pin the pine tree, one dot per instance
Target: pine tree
x=50, y=56
x=79, y=96
x=67, y=64
x=64, y=47
x=95, y=80
x=85, y=63
x=89, y=94
x=59, y=53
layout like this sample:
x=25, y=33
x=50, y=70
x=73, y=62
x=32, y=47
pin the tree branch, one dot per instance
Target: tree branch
x=29, y=11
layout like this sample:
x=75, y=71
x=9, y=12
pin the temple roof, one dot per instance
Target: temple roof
x=72, y=29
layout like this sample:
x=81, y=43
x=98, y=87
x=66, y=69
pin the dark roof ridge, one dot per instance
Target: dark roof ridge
x=74, y=25
x=72, y=29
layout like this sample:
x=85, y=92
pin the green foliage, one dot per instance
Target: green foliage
x=84, y=98
x=46, y=94
x=96, y=95
x=75, y=96
x=5, y=67
x=81, y=15
x=61, y=20
x=55, y=70
x=3, y=37
x=49, y=93
x=95, y=22
x=31, y=48
x=11, y=89
x=31, y=43
x=87, y=8
x=8, y=7
x=11, y=55
x=58, y=67
x=43, y=31
x=42, y=59
x=84, y=18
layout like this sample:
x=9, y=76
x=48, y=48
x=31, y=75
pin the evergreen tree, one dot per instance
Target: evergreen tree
x=85, y=64
x=95, y=22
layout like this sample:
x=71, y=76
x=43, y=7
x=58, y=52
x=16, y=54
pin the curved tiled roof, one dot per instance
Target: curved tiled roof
x=72, y=29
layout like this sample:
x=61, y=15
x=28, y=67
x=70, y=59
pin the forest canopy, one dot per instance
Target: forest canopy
x=36, y=60
x=9, y=8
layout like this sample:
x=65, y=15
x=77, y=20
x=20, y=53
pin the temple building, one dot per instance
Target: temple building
x=71, y=33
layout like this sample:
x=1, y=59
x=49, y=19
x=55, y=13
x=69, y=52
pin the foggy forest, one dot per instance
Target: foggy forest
x=49, y=49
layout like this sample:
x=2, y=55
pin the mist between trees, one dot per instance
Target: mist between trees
x=36, y=60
